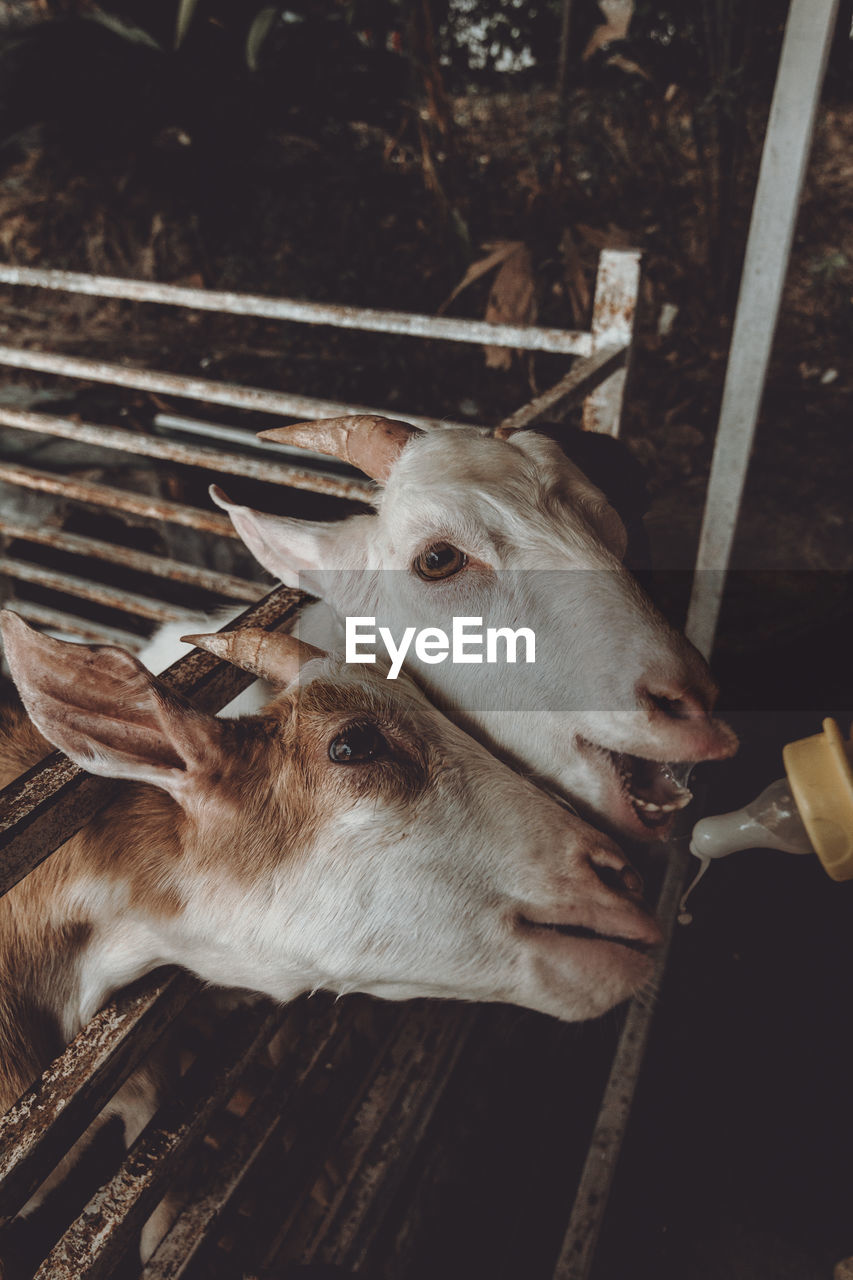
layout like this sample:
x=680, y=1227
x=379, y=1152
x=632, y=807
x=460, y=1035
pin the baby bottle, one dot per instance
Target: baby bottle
x=810, y=810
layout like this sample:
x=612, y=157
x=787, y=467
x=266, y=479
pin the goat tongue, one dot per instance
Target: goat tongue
x=655, y=788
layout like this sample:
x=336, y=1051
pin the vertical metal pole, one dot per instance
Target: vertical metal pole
x=808, y=34
x=614, y=311
x=578, y=1248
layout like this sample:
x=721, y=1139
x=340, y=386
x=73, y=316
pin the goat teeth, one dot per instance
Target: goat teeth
x=648, y=806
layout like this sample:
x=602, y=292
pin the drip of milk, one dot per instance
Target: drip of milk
x=684, y=916
x=681, y=773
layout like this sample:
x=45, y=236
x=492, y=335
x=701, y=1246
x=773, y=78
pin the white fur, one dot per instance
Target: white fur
x=377, y=899
x=545, y=553
x=372, y=896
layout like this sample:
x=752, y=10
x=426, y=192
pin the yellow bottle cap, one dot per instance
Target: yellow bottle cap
x=821, y=779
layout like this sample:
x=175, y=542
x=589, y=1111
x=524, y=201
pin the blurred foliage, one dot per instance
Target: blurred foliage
x=342, y=60
x=365, y=152
x=659, y=127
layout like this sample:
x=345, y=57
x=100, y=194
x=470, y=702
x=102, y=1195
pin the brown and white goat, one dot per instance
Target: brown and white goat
x=510, y=531
x=348, y=838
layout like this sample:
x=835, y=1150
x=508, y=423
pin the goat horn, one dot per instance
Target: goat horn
x=504, y=433
x=365, y=440
x=275, y=656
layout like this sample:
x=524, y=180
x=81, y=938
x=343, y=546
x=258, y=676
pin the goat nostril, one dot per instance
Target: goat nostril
x=609, y=876
x=614, y=872
x=617, y=876
x=632, y=882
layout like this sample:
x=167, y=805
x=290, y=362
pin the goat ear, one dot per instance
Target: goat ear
x=604, y=518
x=593, y=503
x=109, y=715
x=291, y=549
x=607, y=522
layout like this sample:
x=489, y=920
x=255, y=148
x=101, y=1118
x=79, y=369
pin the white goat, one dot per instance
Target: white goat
x=471, y=525
x=313, y=846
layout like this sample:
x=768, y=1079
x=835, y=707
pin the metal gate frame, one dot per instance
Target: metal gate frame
x=52, y=801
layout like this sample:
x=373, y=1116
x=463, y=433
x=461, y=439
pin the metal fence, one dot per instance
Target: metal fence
x=395, y=1080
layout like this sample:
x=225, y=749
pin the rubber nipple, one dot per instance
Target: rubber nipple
x=770, y=821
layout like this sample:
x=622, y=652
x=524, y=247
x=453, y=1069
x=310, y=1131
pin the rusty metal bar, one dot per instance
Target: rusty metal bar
x=90, y=632
x=401, y=1076
x=51, y=801
x=196, y=1224
x=95, y=1243
x=525, y=337
x=109, y=597
x=102, y=495
x=173, y=384
x=578, y=1248
x=319, y=1116
x=45, y=1122
x=223, y=584
x=387, y=1130
x=614, y=316
x=233, y=464
x=42, y=809
x=581, y=379
x=259, y=1128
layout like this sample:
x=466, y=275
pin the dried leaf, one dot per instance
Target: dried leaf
x=183, y=19
x=618, y=15
x=262, y=25
x=240, y=1101
x=512, y=301
x=500, y=250
x=626, y=65
x=122, y=27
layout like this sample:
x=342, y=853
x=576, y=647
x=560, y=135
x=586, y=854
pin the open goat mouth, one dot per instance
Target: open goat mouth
x=656, y=790
x=591, y=935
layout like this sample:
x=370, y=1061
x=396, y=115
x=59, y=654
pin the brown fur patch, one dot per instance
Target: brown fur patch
x=279, y=776
x=275, y=787
x=36, y=977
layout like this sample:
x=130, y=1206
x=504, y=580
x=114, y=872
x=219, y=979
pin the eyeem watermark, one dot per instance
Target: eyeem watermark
x=433, y=645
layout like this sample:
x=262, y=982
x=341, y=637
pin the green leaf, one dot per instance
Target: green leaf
x=262, y=24
x=186, y=9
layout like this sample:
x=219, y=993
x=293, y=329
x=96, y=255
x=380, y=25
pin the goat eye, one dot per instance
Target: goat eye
x=440, y=560
x=357, y=744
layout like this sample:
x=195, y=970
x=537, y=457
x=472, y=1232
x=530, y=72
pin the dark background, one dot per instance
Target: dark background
x=364, y=153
